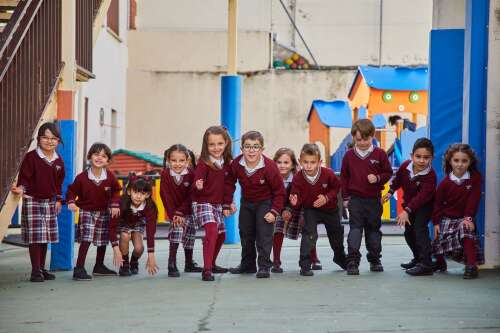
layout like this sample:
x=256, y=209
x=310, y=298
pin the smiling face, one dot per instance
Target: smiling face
x=48, y=142
x=285, y=165
x=99, y=160
x=421, y=158
x=216, y=145
x=252, y=151
x=362, y=143
x=460, y=163
x=137, y=197
x=178, y=161
x=310, y=164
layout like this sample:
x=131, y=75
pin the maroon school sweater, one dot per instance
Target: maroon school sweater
x=355, y=170
x=307, y=192
x=175, y=194
x=213, y=184
x=263, y=184
x=417, y=191
x=147, y=217
x=89, y=195
x=457, y=200
x=41, y=179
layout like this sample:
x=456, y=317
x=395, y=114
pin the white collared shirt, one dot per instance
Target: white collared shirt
x=458, y=180
x=217, y=163
x=42, y=155
x=178, y=176
x=138, y=209
x=259, y=165
x=99, y=179
x=312, y=178
x=420, y=173
x=364, y=153
x=288, y=180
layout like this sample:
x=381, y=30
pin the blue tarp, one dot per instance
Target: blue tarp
x=332, y=113
x=408, y=139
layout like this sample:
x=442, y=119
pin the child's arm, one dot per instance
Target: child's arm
x=72, y=193
x=344, y=179
x=438, y=204
x=26, y=173
x=229, y=187
x=425, y=195
x=296, y=190
x=60, y=181
x=200, y=176
x=151, y=265
x=113, y=239
x=333, y=187
x=474, y=199
x=394, y=185
x=386, y=170
x=277, y=189
x=166, y=197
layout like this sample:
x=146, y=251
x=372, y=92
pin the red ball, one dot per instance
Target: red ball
x=293, y=66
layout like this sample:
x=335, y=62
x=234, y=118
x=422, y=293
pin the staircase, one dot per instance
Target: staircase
x=7, y=8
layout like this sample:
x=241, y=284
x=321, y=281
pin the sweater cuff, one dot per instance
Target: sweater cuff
x=114, y=243
x=151, y=250
x=378, y=178
x=178, y=213
x=70, y=201
x=408, y=210
x=274, y=212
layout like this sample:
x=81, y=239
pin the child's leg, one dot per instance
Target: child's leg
x=188, y=240
x=209, y=243
x=410, y=238
x=247, y=236
x=373, y=235
x=314, y=255
x=101, y=254
x=277, y=245
x=221, y=237
x=138, y=244
x=82, y=254
x=421, y=231
x=34, y=251
x=470, y=252
x=264, y=235
x=43, y=255
x=124, y=248
x=356, y=226
x=172, y=254
x=175, y=236
x=309, y=238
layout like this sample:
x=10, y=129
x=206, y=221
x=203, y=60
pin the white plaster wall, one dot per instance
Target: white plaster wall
x=448, y=14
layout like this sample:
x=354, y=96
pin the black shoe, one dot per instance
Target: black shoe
x=192, y=267
x=412, y=263
x=219, y=270
x=47, y=275
x=101, y=270
x=316, y=266
x=471, y=272
x=239, y=270
x=173, y=271
x=263, y=273
x=80, y=274
x=341, y=262
x=124, y=271
x=420, y=270
x=306, y=272
x=277, y=269
x=352, y=269
x=207, y=276
x=37, y=277
x=134, y=267
x=376, y=266
x=439, y=266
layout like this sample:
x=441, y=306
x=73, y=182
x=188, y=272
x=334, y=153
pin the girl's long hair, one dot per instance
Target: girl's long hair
x=205, y=155
x=463, y=148
x=137, y=184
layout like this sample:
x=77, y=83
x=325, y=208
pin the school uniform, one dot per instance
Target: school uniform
x=307, y=189
x=365, y=208
x=279, y=224
x=418, y=199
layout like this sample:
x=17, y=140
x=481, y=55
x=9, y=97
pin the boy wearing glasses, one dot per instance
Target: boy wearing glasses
x=262, y=199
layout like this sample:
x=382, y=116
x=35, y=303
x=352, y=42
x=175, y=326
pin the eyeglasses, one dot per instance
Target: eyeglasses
x=251, y=147
x=49, y=139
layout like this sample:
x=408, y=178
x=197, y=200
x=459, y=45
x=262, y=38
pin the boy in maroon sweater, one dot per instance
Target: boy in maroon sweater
x=315, y=189
x=365, y=170
x=262, y=199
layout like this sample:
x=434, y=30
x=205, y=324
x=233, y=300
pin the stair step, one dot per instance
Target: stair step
x=9, y=3
x=5, y=17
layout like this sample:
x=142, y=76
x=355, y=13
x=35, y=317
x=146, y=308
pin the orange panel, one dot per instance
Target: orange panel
x=65, y=103
x=360, y=94
x=319, y=132
x=378, y=106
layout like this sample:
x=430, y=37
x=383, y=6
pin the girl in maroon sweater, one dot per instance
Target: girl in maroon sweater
x=137, y=212
x=175, y=185
x=96, y=193
x=39, y=183
x=456, y=204
x=418, y=181
x=207, y=195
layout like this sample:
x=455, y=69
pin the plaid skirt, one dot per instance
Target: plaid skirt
x=449, y=243
x=207, y=213
x=294, y=227
x=185, y=235
x=93, y=227
x=279, y=225
x=39, y=221
x=128, y=228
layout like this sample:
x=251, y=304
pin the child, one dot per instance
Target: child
x=365, y=169
x=95, y=191
x=137, y=211
x=175, y=184
x=456, y=204
x=262, y=200
x=39, y=183
x=289, y=218
x=207, y=195
x=315, y=189
x=418, y=180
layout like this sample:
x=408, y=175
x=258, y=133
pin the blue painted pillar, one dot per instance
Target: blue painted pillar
x=475, y=88
x=231, y=119
x=62, y=252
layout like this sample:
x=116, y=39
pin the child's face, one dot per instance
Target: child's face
x=178, y=161
x=362, y=143
x=138, y=197
x=459, y=162
x=216, y=145
x=285, y=165
x=48, y=142
x=99, y=159
x=252, y=151
x=421, y=158
x=310, y=164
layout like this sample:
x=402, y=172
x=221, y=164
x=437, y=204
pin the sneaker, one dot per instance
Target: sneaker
x=352, y=269
x=219, y=270
x=263, y=273
x=80, y=274
x=102, y=270
x=192, y=267
x=439, y=266
x=409, y=264
x=124, y=271
x=471, y=272
x=37, y=277
x=316, y=266
x=420, y=270
x=306, y=272
x=277, y=269
x=376, y=266
x=341, y=262
x=173, y=271
x=207, y=276
x=239, y=270
x=134, y=267
x=47, y=275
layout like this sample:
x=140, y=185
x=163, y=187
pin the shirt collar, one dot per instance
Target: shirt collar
x=138, y=209
x=364, y=153
x=458, y=180
x=91, y=175
x=216, y=162
x=42, y=155
x=420, y=173
x=312, y=179
x=182, y=173
x=259, y=165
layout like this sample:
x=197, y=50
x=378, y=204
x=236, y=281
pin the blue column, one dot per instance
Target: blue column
x=231, y=119
x=62, y=252
x=475, y=88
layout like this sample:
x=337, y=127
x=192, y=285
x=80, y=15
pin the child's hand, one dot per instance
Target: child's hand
x=151, y=265
x=321, y=201
x=58, y=207
x=372, y=179
x=117, y=257
x=386, y=197
x=345, y=203
x=227, y=212
x=233, y=208
x=468, y=224
x=115, y=212
x=286, y=215
x=178, y=221
x=72, y=207
x=436, y=231
x=403, y=219
x=18, y=190
x=269, y=217
x=293, y=199
x=199, y=184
